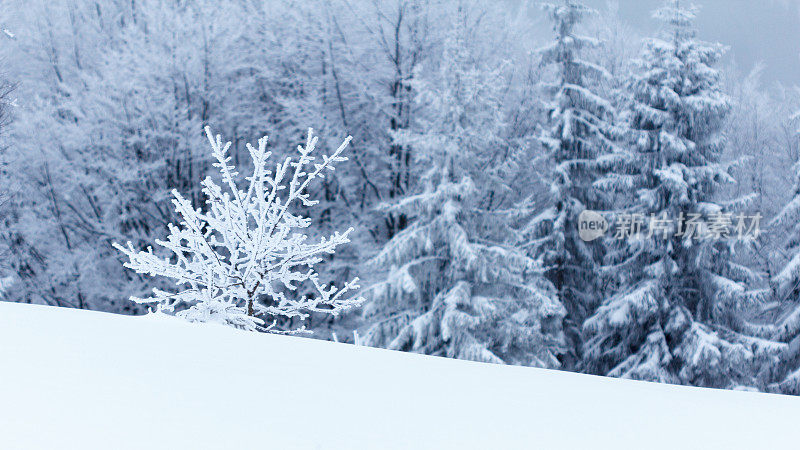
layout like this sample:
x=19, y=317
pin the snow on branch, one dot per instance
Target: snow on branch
x=236, y=261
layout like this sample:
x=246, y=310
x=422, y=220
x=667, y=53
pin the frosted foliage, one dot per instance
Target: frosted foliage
x=578, y=133
x=454, y=285
x=238, y=261
x=646, y=327
x=786, y=286
x=787, y=281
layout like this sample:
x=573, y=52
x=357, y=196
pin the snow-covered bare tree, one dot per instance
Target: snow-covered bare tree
x=236, y=260
x=103, y=155
x=6, y=89
x=375, y=49
x=578, y=133
x=761, y=129
x=678, y=307
x=46, y=245
x=456, y=285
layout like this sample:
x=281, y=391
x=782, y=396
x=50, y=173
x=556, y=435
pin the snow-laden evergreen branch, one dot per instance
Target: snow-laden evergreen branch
x=236, y=261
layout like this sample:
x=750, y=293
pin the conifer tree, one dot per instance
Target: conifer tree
x=786, y=286
x=579, y=131
x=678, y=305
x=456, y=286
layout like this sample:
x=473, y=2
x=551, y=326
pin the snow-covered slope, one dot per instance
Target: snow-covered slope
x=84, y=380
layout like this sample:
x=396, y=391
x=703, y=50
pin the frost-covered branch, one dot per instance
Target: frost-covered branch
x=235, y=261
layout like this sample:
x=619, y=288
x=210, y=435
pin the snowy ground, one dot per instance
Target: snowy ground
x=84, y=380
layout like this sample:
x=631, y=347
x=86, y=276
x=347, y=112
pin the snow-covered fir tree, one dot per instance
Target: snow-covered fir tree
x=578, y=133
x=456, y=286
x=677, y=310
x=240, y=261
x=786, y=286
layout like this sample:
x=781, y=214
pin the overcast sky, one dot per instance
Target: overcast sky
x=765, y=31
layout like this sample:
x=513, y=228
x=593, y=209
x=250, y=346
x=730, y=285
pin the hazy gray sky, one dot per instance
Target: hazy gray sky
x=766, y=30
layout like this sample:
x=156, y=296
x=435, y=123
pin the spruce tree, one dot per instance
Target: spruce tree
x=456, y=286
x=579, y=131
x=786, y=287
x=679, y=302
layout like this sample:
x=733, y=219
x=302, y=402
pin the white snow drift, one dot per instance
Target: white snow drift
x=73, y=379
